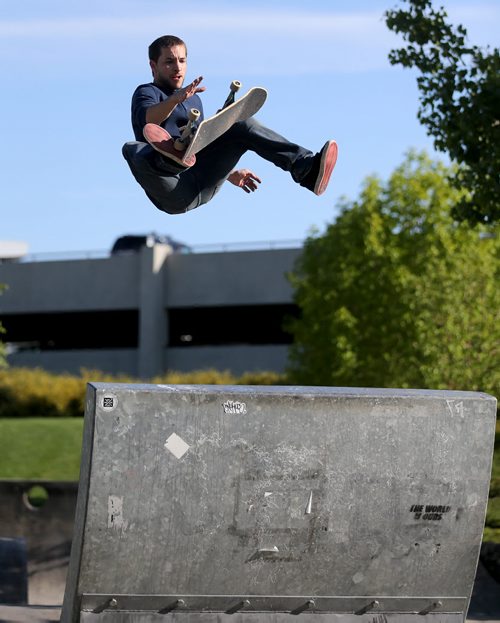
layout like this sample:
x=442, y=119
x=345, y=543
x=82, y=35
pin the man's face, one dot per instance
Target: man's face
x=170, y=69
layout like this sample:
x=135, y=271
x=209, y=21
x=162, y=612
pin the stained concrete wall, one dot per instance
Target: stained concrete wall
x=74, y=285
x=242, y=278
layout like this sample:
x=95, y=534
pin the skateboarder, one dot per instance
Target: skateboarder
x=166, y=102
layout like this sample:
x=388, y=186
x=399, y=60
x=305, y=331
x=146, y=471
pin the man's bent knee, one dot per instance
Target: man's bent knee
x=249, y=125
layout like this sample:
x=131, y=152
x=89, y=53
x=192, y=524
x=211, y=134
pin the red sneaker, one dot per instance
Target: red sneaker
x=161, y=140
x=324, y=162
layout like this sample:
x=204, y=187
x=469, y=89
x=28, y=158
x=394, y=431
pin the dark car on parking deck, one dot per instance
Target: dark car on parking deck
x=134, y=243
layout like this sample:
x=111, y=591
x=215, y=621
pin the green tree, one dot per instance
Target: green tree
x=396, y=293
x=460, y=101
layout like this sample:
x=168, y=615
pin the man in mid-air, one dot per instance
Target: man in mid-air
x=167, y=103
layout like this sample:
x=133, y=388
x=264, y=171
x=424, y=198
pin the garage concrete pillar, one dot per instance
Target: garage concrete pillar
x=153, y=319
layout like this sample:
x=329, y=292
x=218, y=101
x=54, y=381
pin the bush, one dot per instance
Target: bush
x=495, y=487
x=26, y=392
x=263, y=378
x=196, y=377
x=493, y=513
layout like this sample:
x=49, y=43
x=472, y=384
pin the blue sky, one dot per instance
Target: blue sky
x=68, y=70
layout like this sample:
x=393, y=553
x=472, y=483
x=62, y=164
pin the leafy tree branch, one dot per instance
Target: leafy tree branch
x=459, y=88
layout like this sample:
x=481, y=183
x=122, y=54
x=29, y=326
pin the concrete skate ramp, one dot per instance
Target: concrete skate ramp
x=214, y=503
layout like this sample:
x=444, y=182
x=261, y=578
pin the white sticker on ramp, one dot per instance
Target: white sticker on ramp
x=177, y=446
x=115, y=512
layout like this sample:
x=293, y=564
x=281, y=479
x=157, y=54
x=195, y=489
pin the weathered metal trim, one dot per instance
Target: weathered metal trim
x=230, y=604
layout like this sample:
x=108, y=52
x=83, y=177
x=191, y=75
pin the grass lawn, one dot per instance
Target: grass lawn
x=40, y=448
x=49, y=449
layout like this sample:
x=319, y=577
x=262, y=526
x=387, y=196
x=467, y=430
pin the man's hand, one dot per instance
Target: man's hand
x=182, y=94
x=244, y=179
x=159, y=112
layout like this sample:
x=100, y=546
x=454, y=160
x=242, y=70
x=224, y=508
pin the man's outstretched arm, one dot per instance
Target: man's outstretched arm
x=159, y=112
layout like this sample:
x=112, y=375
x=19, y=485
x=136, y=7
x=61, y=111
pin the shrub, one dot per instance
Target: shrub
x=196, y=377
x=26, y=392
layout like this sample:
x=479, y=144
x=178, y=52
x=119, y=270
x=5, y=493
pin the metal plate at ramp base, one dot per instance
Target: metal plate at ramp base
x=134, y=617
x=271, y=603
x=203, y=492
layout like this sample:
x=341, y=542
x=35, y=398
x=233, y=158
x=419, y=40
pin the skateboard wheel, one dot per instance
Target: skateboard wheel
x=235, y=86
x=194, y=114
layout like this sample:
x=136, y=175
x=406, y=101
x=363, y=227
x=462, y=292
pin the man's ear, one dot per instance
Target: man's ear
x=152, y=64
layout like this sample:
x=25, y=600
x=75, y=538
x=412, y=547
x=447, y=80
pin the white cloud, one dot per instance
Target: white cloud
x=270, y=21
x=228, y=21
x=272, y=42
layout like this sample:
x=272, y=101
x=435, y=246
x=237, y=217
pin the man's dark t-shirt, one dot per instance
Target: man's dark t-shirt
x=147, y=95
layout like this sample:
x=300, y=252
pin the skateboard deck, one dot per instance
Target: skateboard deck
x=208, y=131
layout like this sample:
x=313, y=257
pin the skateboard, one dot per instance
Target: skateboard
x=195, y=137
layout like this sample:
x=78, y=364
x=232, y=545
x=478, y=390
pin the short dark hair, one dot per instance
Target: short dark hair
x=167, y=41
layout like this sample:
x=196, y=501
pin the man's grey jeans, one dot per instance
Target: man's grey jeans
x=177, y=192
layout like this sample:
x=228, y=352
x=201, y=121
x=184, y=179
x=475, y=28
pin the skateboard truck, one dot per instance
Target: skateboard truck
x=180, y=143
x=234, y=87
x=194, y=114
